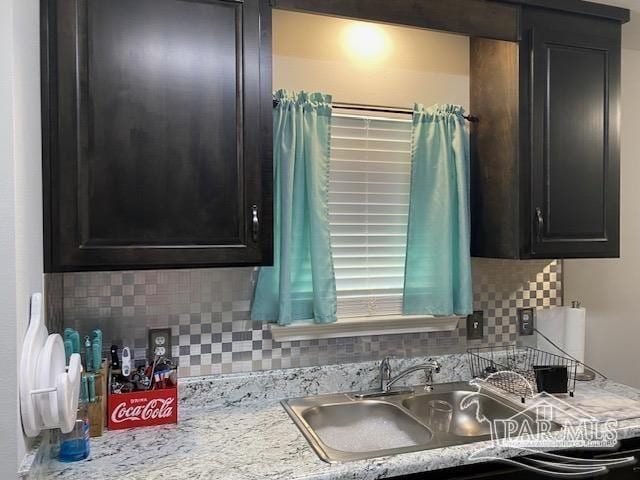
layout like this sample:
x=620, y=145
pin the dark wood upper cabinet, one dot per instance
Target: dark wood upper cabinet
x=574, y=149
x=157, y=126
x=546, y=150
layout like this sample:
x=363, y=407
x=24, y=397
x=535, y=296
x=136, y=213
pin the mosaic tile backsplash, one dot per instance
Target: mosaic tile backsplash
x=208, y=313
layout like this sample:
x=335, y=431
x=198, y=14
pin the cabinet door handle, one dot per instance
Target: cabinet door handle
x=540, y=220
x=255, y=223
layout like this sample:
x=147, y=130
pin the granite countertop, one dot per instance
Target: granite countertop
x=235, y=428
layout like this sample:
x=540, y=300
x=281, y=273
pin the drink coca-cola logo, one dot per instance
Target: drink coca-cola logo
x=154, y=409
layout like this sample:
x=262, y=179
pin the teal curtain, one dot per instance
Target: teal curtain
x=301, y=283
x=437, y=278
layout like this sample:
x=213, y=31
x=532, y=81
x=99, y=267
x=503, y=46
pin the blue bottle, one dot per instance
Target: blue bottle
x=75, y=446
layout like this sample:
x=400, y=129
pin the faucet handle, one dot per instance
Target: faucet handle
x=385, y=364
x=385, y=373
x=386, y=361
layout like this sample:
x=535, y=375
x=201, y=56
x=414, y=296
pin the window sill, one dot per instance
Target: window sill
x=364, y=326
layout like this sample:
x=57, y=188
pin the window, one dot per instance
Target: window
x=368, y=207
x=370, y=176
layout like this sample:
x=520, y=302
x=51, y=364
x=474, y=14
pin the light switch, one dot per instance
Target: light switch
x=475, y=325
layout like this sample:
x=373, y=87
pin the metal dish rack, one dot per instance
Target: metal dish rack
x=511, y=368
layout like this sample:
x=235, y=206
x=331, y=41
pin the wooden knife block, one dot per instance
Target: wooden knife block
x=96, y=412
x=98, y=409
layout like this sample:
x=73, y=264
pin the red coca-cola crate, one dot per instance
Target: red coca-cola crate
x=143, y=409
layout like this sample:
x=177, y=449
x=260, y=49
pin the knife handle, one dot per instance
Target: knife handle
x=92, y=388
x=84, y=390
x=75, y=341
x=68, y=350
x=96, y=350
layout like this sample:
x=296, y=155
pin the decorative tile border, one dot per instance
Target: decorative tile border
x=208, y=312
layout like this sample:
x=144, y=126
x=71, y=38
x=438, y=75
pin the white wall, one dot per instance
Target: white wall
x=311, y=53
x=610, y=288
x=8, y=395
x=20, y=206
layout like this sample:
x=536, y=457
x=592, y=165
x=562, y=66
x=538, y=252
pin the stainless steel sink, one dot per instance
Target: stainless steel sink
x=343, y=427
x=464, y=421
x=354, y=427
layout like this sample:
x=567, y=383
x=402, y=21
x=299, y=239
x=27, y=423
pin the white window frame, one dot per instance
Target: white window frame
x=364, y=326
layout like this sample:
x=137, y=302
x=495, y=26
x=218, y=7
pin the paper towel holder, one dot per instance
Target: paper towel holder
x=588, y=374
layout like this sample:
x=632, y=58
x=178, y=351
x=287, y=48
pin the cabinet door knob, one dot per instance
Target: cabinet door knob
x=540, y=220
x=255, y=223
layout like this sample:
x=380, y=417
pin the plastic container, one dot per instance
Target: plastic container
x=75, y=446
x=551, y=378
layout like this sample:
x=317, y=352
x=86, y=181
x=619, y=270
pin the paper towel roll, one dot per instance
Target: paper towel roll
x=566, y=327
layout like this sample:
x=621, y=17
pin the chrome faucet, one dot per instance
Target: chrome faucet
x=385, y=374
x=428, y=368
x=387, y=379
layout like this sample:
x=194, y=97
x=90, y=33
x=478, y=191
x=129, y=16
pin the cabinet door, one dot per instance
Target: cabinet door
x=574, y=144
x=157, y=127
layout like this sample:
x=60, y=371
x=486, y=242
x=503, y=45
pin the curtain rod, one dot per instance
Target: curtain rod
x=379, y=109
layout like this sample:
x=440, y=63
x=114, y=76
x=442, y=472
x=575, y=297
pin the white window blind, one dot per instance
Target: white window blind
x=368, y=207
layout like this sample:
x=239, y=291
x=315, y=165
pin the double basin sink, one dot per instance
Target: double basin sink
x=343, y=427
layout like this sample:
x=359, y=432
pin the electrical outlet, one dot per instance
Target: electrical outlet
x=525, y=321
x=475, y=325
x=160, y=342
